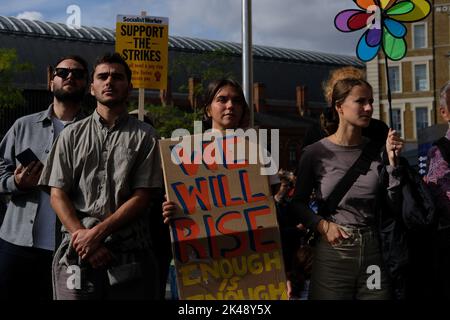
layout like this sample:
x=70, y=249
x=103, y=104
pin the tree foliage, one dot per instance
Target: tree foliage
x=10, y=66
x=168, y=118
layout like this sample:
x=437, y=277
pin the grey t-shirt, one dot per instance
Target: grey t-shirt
x=322, y=166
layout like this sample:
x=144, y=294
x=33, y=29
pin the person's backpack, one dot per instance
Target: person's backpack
x=405, y=232
x=418, y=207
x=444, y=147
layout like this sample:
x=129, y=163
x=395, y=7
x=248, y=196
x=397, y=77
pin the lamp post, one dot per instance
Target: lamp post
x=247, y=57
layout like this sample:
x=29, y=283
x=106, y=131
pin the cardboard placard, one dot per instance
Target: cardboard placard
x=144, y=44
x=225, y=240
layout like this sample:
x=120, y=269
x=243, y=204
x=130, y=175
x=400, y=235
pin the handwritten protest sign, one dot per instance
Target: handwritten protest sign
x=143, y=42
x=225, y=240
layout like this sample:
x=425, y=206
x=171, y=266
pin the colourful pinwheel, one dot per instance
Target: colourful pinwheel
x=383, y=20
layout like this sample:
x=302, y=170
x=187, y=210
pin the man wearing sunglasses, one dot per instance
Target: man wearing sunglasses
x=102, y=173
x=27, y=235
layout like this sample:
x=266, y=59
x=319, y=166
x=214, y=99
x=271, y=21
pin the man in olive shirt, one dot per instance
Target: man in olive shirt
x=101, y=173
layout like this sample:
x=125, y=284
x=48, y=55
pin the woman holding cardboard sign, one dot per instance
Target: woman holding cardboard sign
x=225, y=108
x=224, y=210
x=347, y=258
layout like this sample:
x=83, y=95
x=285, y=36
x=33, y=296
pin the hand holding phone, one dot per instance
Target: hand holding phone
x=26, y=175
x=26, y=157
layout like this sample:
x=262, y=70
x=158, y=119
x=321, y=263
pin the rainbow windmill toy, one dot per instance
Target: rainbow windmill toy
x=383, y=21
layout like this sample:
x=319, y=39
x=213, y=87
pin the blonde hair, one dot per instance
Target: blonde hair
x=336, y=89
x=337, y=75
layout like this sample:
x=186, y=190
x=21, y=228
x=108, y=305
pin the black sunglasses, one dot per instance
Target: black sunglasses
x=64, y=73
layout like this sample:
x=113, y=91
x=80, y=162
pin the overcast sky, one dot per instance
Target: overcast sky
x=298, y=24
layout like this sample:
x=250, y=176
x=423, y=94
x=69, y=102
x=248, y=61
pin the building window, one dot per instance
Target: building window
x=420, y=77
x=419, y=34
x=421, y=119
x=394, y=78
x=397, y=120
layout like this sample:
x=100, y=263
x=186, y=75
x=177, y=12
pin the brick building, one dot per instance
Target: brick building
x=416, y=79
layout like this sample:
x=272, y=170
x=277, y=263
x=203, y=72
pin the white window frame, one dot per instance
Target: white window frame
x=414, y=106
x=414, y=31
x=399, y=65
x=402, y=108
x=427, y=73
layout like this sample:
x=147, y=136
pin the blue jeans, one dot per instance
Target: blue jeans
x=341, y=272
x=25, y=273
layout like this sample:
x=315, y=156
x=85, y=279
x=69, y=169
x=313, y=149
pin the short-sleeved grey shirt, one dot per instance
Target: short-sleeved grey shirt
x=100, y=167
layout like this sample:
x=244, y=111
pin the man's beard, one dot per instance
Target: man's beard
x=64, y=96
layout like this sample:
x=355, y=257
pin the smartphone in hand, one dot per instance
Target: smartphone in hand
x=26, y=157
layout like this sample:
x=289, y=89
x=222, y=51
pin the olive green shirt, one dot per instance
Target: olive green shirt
x=100, y=167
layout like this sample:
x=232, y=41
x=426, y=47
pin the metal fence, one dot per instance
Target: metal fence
x=36, y=100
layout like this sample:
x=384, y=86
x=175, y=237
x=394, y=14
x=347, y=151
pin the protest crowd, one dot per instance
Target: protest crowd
x=84, y=194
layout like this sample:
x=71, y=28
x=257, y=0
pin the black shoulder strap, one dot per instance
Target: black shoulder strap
x=444, y=147
x=361, y=166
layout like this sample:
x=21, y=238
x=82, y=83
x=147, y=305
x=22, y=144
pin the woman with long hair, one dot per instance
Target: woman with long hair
x=349, y=246
x=225, y=108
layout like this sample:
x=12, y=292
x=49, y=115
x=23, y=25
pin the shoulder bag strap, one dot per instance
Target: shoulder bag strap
x=361, y=166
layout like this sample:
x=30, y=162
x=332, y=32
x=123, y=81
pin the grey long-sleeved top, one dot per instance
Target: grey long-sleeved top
x=322, y=165
x=34, y=131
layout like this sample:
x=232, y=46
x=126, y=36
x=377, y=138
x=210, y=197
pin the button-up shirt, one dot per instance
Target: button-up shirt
x=36, y=132
x=438, y=178
x=100, y=167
